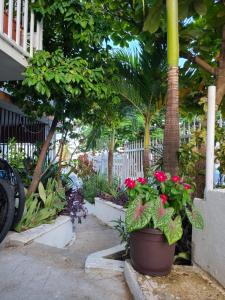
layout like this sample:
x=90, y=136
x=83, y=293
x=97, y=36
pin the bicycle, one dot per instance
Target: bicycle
x=7, y=208
x=12, y=200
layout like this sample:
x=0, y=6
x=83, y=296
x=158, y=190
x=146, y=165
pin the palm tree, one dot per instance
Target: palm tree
x=141, y=85
x=171, y=131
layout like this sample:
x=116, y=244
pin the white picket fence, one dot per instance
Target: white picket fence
x=128, y=162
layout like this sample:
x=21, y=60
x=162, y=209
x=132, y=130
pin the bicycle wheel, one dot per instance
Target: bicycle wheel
x=7, y=208
x=19, y=196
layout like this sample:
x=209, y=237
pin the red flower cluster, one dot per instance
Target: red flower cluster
x=186, y=186
x=160, y=176
x=163, y=198
x=130, y=183
x=175, y=179
x=142, y=180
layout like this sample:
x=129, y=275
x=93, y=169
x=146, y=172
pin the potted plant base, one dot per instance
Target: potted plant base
x=153, y=220
x=150, y=252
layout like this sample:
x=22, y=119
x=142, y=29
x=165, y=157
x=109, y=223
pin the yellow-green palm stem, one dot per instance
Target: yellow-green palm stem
x=172, y=32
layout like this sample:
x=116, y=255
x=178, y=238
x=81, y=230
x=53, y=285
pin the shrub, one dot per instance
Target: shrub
x=42, y=207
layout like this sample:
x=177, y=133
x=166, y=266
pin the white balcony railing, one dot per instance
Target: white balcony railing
x=19, y=27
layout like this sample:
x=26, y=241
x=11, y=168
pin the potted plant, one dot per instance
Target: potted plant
x=153, y=219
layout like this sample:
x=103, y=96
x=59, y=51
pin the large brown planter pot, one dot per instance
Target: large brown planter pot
x=150, y=252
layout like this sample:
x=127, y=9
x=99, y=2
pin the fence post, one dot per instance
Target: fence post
x=210, y=138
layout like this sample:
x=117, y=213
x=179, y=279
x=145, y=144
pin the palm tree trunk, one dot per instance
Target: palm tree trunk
x=146, y=158
x=110, y=157
x=38, y=169
x=171, y=131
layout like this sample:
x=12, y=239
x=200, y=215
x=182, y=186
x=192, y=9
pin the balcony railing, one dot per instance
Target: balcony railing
x=19, y=27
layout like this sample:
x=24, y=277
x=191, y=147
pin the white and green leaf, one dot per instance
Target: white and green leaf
x=138, y=215
x=173, y=230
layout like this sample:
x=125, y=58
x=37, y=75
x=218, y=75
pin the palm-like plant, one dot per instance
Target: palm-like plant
x=171, y=132
x=142, y=85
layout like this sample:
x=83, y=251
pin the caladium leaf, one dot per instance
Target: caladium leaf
x=138, y=215
x=173, y=230
x=195, y=217
x=161, y=216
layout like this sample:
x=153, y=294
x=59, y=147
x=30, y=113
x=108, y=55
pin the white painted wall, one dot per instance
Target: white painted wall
x=57, y=234
x=106, y=211
x=209, y=243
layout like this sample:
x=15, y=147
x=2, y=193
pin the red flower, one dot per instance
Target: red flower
x=142, y=180
x=130, y=183
x=175, y=179
x=186, y=186
x=163, y=198
x=160, y=176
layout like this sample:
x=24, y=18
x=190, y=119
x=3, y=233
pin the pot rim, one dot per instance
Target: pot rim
x=151, y=230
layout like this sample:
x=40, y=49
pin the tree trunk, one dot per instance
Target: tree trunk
x=146, y=158
x=62, y=144
x=38, y=169
x=200, y=172
x=110, y=157
x=171, y=131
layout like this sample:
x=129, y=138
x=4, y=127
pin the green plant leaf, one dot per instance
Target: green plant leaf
x=161, y=216
x=153, y=19
x=138, y=215
x=183, y=255
x=42, y=192
x=173, y=230
x=200, y=7
x=195, y=217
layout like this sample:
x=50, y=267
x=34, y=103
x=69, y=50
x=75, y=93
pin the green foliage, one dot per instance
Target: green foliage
x=189, y=153
x=220, y=151
x=97, y=184
x=42, y=207
x=123, y=234
x=195, y=217
x=18, y=160
x=15, y=158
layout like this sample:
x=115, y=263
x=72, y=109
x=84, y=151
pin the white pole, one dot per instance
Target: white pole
x=210, y=138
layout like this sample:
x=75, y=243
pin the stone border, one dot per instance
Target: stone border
x=132, y=282
x=57, y=234
x=99, y=260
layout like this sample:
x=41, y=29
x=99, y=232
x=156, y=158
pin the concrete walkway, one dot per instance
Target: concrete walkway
x=38, y=272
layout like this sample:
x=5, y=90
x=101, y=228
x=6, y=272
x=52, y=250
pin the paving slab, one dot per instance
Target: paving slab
x=36, y=271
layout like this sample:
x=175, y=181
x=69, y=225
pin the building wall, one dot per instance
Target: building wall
x=209, y=244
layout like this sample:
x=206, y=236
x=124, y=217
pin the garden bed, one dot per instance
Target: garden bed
x=183, y=283
x=58, y=234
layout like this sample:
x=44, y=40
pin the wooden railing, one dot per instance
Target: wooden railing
x=19, y=27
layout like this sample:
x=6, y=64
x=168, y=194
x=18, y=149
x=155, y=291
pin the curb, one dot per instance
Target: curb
x=132, y=282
